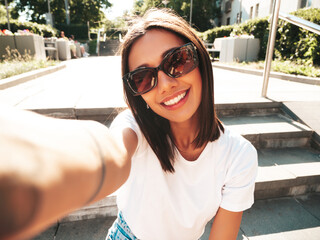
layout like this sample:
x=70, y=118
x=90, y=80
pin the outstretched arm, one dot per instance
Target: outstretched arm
x=49, y=167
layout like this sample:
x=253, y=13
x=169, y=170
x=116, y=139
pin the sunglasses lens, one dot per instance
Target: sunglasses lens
x=180, y=63
x=143, y=81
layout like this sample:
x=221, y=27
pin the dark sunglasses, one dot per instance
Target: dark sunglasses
x=177, y=63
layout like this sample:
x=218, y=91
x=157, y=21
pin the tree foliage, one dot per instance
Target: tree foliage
x=114, y=27
x=204, y=12
x=3, y=2
x=13, y=14
x=80, y=11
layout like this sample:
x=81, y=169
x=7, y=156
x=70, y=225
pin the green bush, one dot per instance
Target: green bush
x=211, y=34
x=290, y=67
x=41, y=29
x=92, y=47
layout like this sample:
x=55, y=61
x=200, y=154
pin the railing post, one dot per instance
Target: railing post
x=6, y=3
x=270, y=46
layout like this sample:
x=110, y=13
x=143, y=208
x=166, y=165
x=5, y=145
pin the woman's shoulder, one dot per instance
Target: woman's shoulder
x=234, y=141
x=235, y=152
x=124, y=119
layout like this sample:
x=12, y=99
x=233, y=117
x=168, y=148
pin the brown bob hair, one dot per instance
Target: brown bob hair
x=155, y=128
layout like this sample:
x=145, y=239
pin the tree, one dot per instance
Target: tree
x=80, y=11
x=141, y=6
x=203, y=11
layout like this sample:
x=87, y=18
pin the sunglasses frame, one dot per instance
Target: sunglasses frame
x=128, y=77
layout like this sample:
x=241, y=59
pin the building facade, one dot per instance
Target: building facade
x=237, y=11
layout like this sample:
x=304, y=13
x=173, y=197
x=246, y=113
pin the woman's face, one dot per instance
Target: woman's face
x=176, y=99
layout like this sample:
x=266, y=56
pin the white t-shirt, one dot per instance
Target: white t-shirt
x=160, y=205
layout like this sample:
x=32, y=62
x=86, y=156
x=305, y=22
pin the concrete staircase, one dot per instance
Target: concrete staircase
x=289, y=157
x=289, y=166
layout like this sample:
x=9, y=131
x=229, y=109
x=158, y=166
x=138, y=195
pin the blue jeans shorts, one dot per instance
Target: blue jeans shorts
x=120, y=230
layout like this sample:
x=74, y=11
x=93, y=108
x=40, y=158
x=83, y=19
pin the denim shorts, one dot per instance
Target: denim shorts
x=120, y=230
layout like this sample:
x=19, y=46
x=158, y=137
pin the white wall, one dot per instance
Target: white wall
x=315, y=3
x=265, y=8
x=288, y=6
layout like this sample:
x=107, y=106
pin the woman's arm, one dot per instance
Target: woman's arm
x=226, y=225
x=49, y=167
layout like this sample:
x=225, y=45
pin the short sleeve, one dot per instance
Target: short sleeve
x=126, y=120
x=238, y=189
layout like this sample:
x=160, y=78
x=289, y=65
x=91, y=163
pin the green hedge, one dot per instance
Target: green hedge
x=211, y=34
x=41, y=29
x=92, y=47
x=80, y=31
x=292, y=43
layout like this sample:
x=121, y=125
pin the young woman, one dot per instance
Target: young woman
x=177, y=165
x=186, y=167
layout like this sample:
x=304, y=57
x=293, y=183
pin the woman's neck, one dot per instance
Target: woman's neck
x=184, y=134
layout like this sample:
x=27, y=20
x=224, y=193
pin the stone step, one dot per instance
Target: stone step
x=271, y=131
x=248, y=108
x=282, y=172
x=293, y=218
x=287, y=172
x=107, y=111
x=106, y=207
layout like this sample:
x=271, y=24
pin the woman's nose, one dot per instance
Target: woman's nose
x=165, y=83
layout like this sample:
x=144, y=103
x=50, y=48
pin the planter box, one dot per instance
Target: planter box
x=6, y=41
x=32, y=44
x=63, y=49
x=238, y=49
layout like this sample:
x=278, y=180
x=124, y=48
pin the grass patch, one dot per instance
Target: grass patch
x=288, y=67
x=14, y=63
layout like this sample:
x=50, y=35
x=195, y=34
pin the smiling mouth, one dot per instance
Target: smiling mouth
x=176, y=99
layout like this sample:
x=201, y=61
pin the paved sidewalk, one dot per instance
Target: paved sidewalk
x=95, y=82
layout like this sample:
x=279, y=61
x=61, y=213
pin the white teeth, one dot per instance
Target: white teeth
x=175, y=100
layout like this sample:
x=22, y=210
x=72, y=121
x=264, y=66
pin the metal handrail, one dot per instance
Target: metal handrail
x=310, y=26
x=272, y=36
